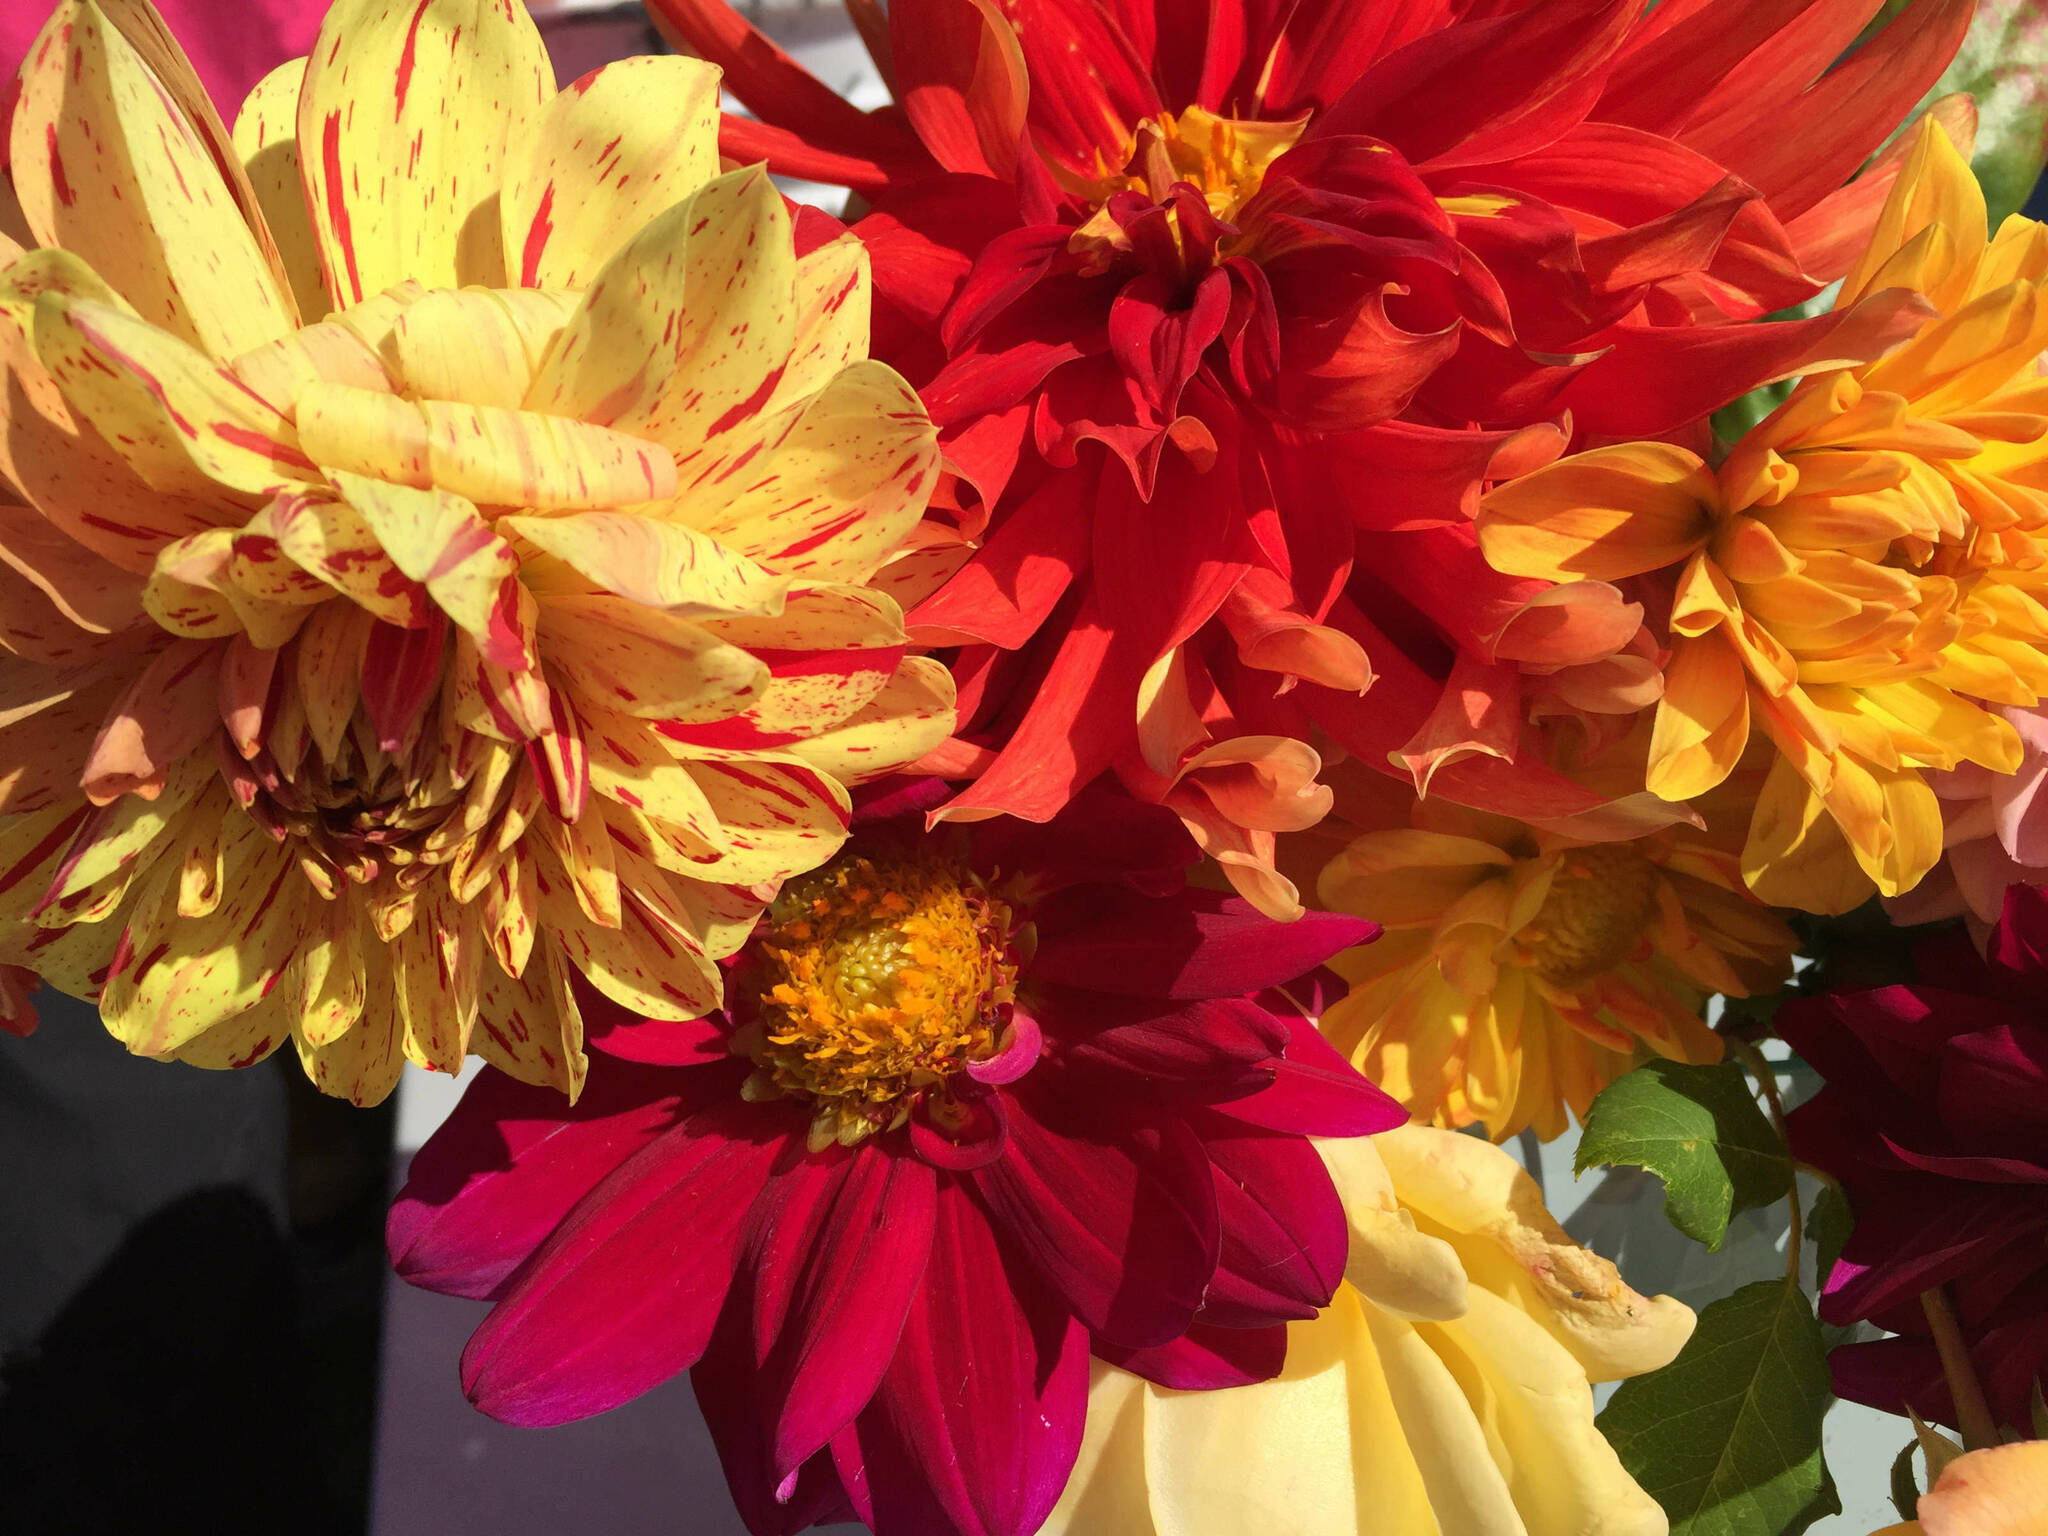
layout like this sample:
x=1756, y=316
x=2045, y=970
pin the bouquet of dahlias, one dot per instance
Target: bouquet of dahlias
x=1021, y=777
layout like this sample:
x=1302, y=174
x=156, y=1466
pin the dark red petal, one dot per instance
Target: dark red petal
x=1100, y=837
x=1200, y=1051
x=979, y=1417
x=1316, y=1092
x=1284, y=1238
x=1199, y=944
x=832, y=1281
x=974, y=1136
x=514, y=1159
x=617, y=1030
x=623, y=1295
x=1122, y=1220
x=1205, y=1357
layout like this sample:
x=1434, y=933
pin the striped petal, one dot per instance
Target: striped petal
x=911, y=716
x=438, y=539
x=781, y=817
x=530, y=1026
x=643, y=964
x=266, y=139
x=108, y=168
x=184, y=424
x=363, y=1063
x=640, y=661
x=406, y=191
x=624, y=143
x=686, y=331
x=660, y=564
x=834, y=300
x=842, y=491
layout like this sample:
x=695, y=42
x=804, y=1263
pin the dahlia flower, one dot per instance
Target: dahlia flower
x=2001, y=1490
x=1859, y=574
x=1446, y=1388
x=1991, y=835
x=443, y=565
x=1934, y=1121
x=983, y=1101
x=1223, y=311
x=1520, y=969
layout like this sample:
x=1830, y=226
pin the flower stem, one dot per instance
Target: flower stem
x=1973, y=1413
x=1767, y=1080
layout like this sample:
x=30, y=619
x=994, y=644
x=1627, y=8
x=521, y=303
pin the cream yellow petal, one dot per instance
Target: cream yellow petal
x=1999, y=1491
x=109, y=169
x=266, y=137
x=1106, y=1490
x=1463, y=1475
x=626, y=142
x=1395, y=1267
x=404, y=119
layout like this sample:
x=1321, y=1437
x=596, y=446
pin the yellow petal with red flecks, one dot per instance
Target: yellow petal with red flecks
x=435, y=974
x=834, y=300
x=192, y=592
x=327, y=666
x=331, y=352
x=910, y=716
x=531, y=1028
x=180, y=976
x=266, y=137
x=35, y=629
x=107, y=168
x=168, y=710
x=648, y=560
x=686, y=331
x=781, y=815
x=828, y=617
x=507, y=905
x=404, y=118
x=364, y=1063
x=626, y=142
x=841, y=492
x=333, y=541
x=640, y=661
x=118, y=842
x=48, y=723
x=328, y=981
x=642, y=964
x=33, y=846
x=184, y=424
x=460, y=346
x=584, y=850
x=722, y=917
x=492, y=456
x=1605, y=514
x=629, y=765
x=242, y=1041
x=259, y=567
x=439, y=540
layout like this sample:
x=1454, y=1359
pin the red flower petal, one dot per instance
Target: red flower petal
x=1205, y=1358
x=1122, y=1221
x=979, y=1418
x=623, y=1295
x=1199, y=945
x=1284, y=1238
x=514, y=1159
x=1316, y=1092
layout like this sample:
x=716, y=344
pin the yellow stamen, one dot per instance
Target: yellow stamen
x=1600, y=903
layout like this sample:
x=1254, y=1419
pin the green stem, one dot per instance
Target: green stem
x=1767, y=1080
x=1973, y=1413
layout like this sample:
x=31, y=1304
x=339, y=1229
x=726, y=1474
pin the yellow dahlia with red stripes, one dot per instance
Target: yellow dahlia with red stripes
x=447, y=513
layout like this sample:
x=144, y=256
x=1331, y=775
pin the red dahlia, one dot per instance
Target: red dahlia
x=984, y=1103
x=1225, y=308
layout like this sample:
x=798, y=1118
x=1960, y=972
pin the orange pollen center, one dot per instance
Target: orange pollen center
x=1600, y=904
x=879, y=979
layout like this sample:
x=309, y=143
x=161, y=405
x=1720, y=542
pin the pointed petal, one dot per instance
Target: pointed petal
x=404, y=118
x=266, y=139
x=653, y=562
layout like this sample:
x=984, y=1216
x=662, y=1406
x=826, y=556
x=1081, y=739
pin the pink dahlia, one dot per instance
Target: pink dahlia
x=981, y=1104
x=1935, y=1121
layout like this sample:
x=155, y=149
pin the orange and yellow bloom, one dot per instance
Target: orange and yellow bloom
x=1520, y=969
x=1862, y=576
x=445, y=550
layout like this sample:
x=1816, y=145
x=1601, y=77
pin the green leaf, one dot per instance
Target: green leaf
x=1828, y=1224
x=1905, y=1491
x=1697, y=1129
x=2001, y=63
x=1727, y=1436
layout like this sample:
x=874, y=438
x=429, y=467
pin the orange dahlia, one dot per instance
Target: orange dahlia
x=1224, y=309
x=1865, y=572
x=449, y=509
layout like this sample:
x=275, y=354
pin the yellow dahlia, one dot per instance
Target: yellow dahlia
x=1446, y=1388
x=1520, y=969
x=449, y=509
x=1861, y=576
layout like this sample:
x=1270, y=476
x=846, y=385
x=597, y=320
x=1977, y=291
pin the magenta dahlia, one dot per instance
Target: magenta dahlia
x=982, y=1103
x=1935, y=1121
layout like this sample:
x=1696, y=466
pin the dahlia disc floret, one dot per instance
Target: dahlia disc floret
x=444, y=553
x=983, y=1102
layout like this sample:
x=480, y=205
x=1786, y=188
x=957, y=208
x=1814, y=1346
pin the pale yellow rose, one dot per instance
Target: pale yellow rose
x=2000, y=1491
x=1446, y=1389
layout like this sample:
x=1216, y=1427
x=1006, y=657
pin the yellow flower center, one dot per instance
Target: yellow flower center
x=879, y=979
x=1600, y=903
x=1223, y=158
